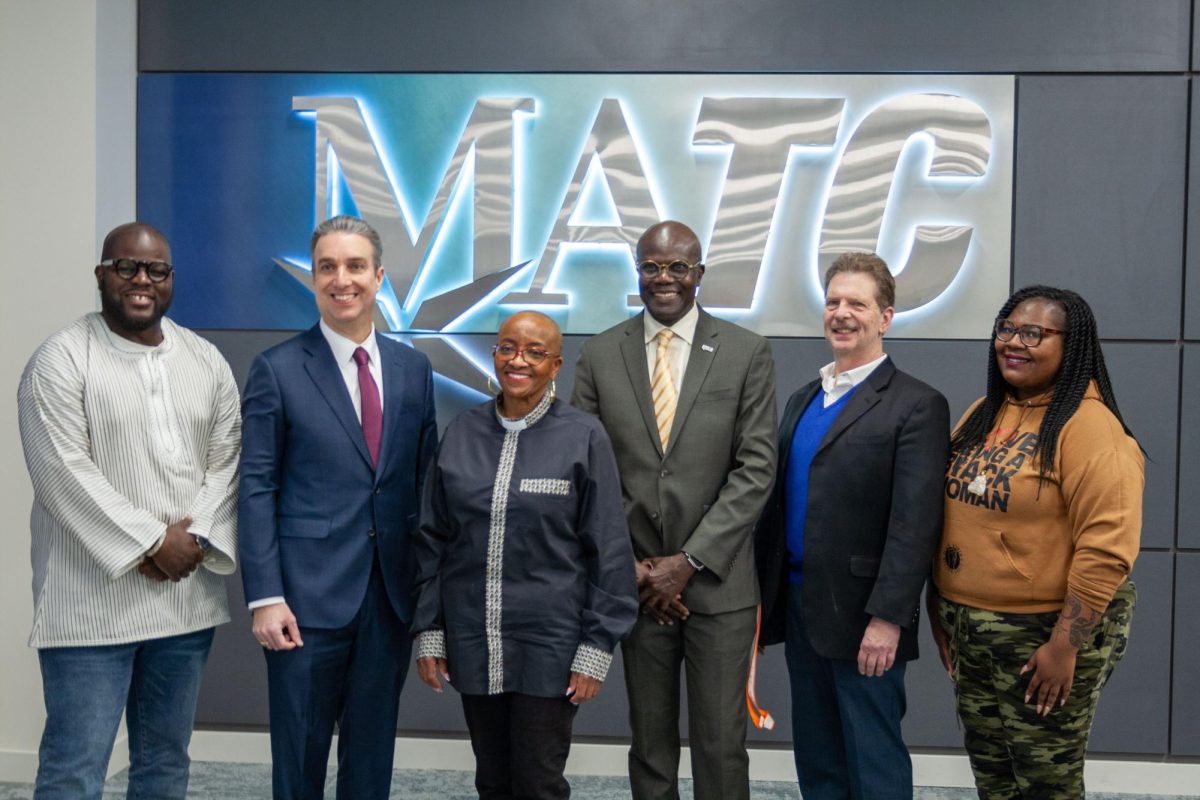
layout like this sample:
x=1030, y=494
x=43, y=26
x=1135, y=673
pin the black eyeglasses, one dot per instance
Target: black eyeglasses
x=1031, y=335
x=128, y=268
x=532, y=355
x=676, y=269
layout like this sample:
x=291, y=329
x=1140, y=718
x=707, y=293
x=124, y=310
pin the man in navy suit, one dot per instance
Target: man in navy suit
x=339, y=428
x=847, y=542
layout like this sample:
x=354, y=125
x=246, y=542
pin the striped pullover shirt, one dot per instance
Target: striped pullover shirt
x=122, y=440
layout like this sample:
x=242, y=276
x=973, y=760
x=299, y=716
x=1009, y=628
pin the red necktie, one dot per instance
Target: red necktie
x=372, y=412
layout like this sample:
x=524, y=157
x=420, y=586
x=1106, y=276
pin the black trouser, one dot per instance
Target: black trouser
x=521, y=744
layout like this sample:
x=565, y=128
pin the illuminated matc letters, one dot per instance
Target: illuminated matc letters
x=495, y=193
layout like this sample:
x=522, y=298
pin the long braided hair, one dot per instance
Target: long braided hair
x=1082, y=362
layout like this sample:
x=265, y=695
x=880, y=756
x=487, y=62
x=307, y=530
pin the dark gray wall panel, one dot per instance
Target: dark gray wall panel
x=234, y=689
x=1189, y=456
x=955, y=368
x=693, y=36
x=931, y=720
x=1150, y=408
x=1134, y=711
x=1191, y=295
x=1099, y=195
x=1185, y=694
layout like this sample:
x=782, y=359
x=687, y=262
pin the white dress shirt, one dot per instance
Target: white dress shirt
x=836, y=385
x=680, y=347
x=343, y=353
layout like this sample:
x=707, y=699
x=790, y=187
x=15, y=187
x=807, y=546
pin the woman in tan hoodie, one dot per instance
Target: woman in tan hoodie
x=1043, y=495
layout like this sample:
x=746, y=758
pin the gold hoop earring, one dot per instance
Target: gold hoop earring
x=493, y=387
x=553, y=389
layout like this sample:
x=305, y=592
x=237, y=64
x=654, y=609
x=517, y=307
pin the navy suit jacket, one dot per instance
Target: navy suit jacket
x=312, y=510
x=874, y=514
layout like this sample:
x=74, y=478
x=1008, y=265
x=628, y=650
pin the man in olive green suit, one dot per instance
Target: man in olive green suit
x=689, y=403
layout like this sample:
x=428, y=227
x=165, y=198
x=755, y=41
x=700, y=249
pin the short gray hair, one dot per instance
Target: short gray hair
x=345, y=223
x=869, y=264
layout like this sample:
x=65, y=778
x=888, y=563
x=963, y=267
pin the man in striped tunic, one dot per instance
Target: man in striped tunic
x=131, y=431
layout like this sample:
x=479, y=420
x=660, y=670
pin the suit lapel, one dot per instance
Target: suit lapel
x=324, y=372
x=633, y=350
x=791, y=418
x=704, y=350
x=392, y=376
x=865, y=396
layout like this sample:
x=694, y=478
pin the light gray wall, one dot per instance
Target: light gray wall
x=1101, y=204
x=63, y=77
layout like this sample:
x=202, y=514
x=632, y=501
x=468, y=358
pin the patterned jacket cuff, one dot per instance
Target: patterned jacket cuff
x=591, y=661
x=431, y=643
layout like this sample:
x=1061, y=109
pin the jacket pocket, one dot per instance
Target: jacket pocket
x=864, y=566
x=870, y=439
x=299, y=528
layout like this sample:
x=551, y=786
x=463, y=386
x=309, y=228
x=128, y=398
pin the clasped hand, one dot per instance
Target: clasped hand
x=661, y=582
x=178, y=557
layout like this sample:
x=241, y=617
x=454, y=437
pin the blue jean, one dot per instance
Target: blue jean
x=845, y=726
x=156, y=682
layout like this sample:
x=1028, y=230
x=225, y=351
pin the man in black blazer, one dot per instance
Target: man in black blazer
x=846, y=543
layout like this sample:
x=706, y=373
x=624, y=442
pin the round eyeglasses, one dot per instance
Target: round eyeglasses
x=676, y=269
x=128, y=268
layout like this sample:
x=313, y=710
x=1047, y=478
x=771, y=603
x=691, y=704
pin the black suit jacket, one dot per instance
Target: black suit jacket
x=874, y=514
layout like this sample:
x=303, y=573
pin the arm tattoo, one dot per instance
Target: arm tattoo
x=1076, y=621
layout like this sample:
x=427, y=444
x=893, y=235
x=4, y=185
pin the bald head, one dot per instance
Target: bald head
x=133, y=234
x=669, y=270
x=670, y=236
x=533, y=324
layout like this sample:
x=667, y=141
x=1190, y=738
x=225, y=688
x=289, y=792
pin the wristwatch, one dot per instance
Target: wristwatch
x=696, y=565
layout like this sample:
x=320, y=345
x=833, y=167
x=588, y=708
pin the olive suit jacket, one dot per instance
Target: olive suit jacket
x=706, y=492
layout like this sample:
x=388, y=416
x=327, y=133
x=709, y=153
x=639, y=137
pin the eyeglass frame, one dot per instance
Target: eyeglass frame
x=660, y=268
x=138, y=266
x=523, y=352
x=1020, y=330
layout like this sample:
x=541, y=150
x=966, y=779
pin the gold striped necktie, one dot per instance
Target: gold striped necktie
x=662, y=388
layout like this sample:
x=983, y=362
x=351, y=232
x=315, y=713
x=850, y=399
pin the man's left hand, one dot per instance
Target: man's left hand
x=665, y=581
x=877, y=653
x=150, y=570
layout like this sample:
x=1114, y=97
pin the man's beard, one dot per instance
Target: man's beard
x=114, y=308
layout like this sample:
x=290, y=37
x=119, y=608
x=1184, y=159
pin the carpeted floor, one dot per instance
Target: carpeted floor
x=218, y=781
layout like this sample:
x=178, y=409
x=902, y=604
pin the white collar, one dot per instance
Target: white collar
x=684, y=328
x=123, y=345
x=831, y=381
x=343, y=348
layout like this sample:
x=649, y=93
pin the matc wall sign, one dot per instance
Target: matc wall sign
x=495, y=193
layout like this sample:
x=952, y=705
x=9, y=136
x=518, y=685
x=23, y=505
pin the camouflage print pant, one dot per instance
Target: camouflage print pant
x=1014, y=752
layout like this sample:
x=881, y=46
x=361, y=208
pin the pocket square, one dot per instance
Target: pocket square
x=559, y=486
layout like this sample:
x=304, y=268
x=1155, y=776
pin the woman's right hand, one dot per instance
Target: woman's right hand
x=429, y=669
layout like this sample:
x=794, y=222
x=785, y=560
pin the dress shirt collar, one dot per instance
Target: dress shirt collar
x=840, y=383
x=343, y=348
x=684, y=329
